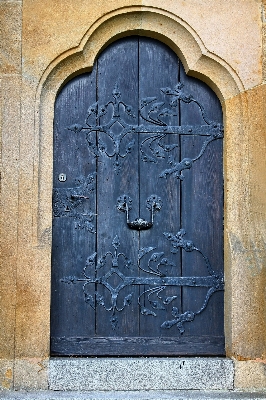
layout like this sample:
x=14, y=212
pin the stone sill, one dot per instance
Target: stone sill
x=141, y=374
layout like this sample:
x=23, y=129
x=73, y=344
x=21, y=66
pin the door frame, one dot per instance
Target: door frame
x=198, y=62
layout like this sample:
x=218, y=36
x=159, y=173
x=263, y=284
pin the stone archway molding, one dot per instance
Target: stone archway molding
x=135, y=20
x=146, y=21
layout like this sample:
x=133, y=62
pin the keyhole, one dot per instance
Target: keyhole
x=62, y=177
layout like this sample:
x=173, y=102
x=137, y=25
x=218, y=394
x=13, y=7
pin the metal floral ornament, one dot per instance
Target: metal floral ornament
x=155, y=298
x=155, y=113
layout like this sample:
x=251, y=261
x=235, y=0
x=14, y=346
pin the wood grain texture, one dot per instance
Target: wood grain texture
x=118, y=65
x=71, y=246
x=139, y=346
x=159, y=68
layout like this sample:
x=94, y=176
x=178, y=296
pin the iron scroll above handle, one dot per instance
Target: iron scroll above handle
x=153, y=204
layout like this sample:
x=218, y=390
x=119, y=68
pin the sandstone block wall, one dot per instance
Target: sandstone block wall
x=42, y=44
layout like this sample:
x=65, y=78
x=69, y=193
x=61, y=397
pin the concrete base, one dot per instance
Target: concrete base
x=141, y=374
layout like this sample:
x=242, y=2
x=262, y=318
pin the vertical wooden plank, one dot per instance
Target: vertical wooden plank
x=72, y=242
x=158, y=68
x=118, y=70
x=202, y=208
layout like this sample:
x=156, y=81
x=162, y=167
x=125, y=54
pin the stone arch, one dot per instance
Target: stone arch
x=147, y=21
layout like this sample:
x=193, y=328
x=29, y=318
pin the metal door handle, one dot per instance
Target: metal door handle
x=153, y=204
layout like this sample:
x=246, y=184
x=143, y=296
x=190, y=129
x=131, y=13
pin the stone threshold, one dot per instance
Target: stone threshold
x=125, y=374
x=131, y=395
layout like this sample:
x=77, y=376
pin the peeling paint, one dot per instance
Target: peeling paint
x=42, y=367
x=8, y=374
x=7, y=381
x=255, y=257
x=6, y=384
x=241, y=358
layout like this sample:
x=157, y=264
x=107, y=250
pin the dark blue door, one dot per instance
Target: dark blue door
x=137, y=257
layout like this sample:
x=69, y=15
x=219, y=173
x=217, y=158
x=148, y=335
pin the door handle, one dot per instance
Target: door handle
x=153, y=204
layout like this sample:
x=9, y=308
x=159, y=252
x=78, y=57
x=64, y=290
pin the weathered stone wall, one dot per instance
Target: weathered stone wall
x=10, y=94
x=245, y=234
x=263, y=17
x=45, y=42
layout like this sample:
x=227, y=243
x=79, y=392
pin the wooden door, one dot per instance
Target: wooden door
x=137, y=255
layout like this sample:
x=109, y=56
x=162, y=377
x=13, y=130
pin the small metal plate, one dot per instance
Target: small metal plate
x=62, y=177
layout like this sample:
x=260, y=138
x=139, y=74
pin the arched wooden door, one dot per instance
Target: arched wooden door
x=137, y=256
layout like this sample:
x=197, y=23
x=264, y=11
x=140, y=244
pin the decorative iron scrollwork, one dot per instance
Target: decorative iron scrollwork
x=154, y=112
x=152, y=148
x=153, y=204
x=116, y=136
x=67, y=200
x=153, y=300
x=103, y=280
x=177, y=167
x=156, y=294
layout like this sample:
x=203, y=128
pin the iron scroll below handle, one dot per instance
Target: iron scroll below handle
x=153, y=204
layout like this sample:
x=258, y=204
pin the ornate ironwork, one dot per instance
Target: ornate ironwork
x=153, y=300
x=156, y=294
x=94, y=114
x=153, y=148
x=153, y=204
x=155, y=113
x=67, y=200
